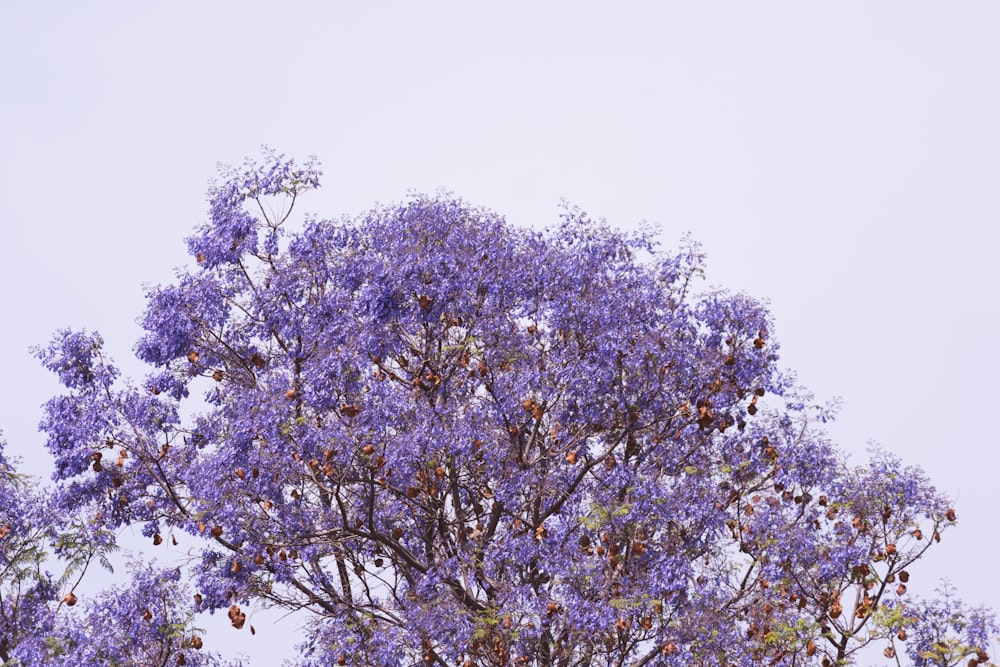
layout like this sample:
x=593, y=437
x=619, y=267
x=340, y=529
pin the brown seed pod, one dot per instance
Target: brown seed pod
x=237, y=617
x=70, y=599
x=196, y=642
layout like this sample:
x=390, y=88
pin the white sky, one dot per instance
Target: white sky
x=839, y=159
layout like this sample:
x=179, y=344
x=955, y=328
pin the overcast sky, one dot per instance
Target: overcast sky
x=841, y=160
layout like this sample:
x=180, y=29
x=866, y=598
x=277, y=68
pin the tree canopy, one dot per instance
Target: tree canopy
x=444, y=439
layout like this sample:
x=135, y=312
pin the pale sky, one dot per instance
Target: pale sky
x=839, y=159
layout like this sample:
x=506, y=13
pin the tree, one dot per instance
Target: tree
x=448, y=440
x=144, y=622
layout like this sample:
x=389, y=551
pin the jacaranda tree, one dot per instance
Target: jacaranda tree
x=447, y=440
